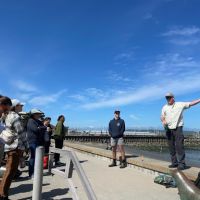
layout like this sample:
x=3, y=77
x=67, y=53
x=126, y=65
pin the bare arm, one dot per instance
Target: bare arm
x=162, y=117
x=163, y=120
x=192, y=103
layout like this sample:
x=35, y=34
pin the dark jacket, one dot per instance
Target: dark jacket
x=59, y=131
x=35, y=131
x=116, y=128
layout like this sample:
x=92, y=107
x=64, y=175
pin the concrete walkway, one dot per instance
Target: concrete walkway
x=108, y=183
x=135, y=160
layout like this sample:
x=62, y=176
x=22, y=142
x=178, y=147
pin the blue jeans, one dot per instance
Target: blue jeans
x=32, y=148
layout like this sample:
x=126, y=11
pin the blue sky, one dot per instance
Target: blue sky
x=86, y=58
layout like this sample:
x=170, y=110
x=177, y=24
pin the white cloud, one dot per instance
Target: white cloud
x=67, y=106
x=96, y=93
x=169, y=65
x=148, y=16
x=46, y=99
x=170, y=72
x=128, y=55
x=23, y=86
x=113, y=76
x=134, y=117
x=185, y=42
x=183, y=36
x=78, y=97
x=150, y=92
x=89, y=94
x=124, y=58
x=25, y=96
x=186, y=31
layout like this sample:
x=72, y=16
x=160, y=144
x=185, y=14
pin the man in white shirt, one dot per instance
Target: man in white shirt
x=172, y=120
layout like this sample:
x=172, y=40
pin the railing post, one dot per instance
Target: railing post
x=38, y=174
x=50, y=163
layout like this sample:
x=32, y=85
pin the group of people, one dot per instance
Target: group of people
x=22, y=132
x=172, y=121
x=19, y=134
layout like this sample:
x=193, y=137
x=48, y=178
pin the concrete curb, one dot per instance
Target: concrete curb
x=143, y=162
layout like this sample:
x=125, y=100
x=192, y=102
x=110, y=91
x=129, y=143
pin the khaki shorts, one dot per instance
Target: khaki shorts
x=117, y=141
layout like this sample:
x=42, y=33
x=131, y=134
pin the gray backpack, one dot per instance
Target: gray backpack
x=166, y=180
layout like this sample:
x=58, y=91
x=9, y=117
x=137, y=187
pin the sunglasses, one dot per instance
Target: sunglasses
x=168, y=98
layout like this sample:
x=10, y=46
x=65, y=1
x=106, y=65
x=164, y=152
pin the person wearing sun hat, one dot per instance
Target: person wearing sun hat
x=172, y=120
x=35, y=133
x=116, y=131
x=16, y=102
x=17, y=106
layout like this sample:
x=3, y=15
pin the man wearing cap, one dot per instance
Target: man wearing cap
x=116, y=131
x=172, y=120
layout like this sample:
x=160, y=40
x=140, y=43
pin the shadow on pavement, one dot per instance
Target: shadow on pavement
x=23, y=188
x=26, y=178
x=82, y=161
x=131, y=156
x=54, y=193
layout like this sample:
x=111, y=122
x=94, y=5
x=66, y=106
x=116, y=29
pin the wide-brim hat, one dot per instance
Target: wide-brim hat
x=36, y=111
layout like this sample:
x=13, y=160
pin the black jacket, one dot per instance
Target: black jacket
x=116, y=128
x=35, y=131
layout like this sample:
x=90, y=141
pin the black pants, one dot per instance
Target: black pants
x=175, y=140
x=46, y=147
x=59, y=145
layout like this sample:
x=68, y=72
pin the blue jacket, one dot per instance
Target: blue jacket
x=116, y=128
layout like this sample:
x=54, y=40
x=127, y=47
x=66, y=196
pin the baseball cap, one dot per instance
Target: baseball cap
x=16, y=102
x=117, y=111
x=169, y=94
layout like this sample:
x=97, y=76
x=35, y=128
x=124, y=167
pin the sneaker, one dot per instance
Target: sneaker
x=173, y=166
x=113, y=164
x=58, y=163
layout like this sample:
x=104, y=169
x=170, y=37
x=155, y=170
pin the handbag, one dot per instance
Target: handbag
x=7, y=136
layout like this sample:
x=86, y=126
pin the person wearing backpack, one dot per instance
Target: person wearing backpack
x=11, y=136
x=17, y=107
x=35, y=134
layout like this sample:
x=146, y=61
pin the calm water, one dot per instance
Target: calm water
x=192, y=156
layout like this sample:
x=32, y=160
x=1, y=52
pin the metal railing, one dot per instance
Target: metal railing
x=71, y=162
x=187, y=189
x=38, y=174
